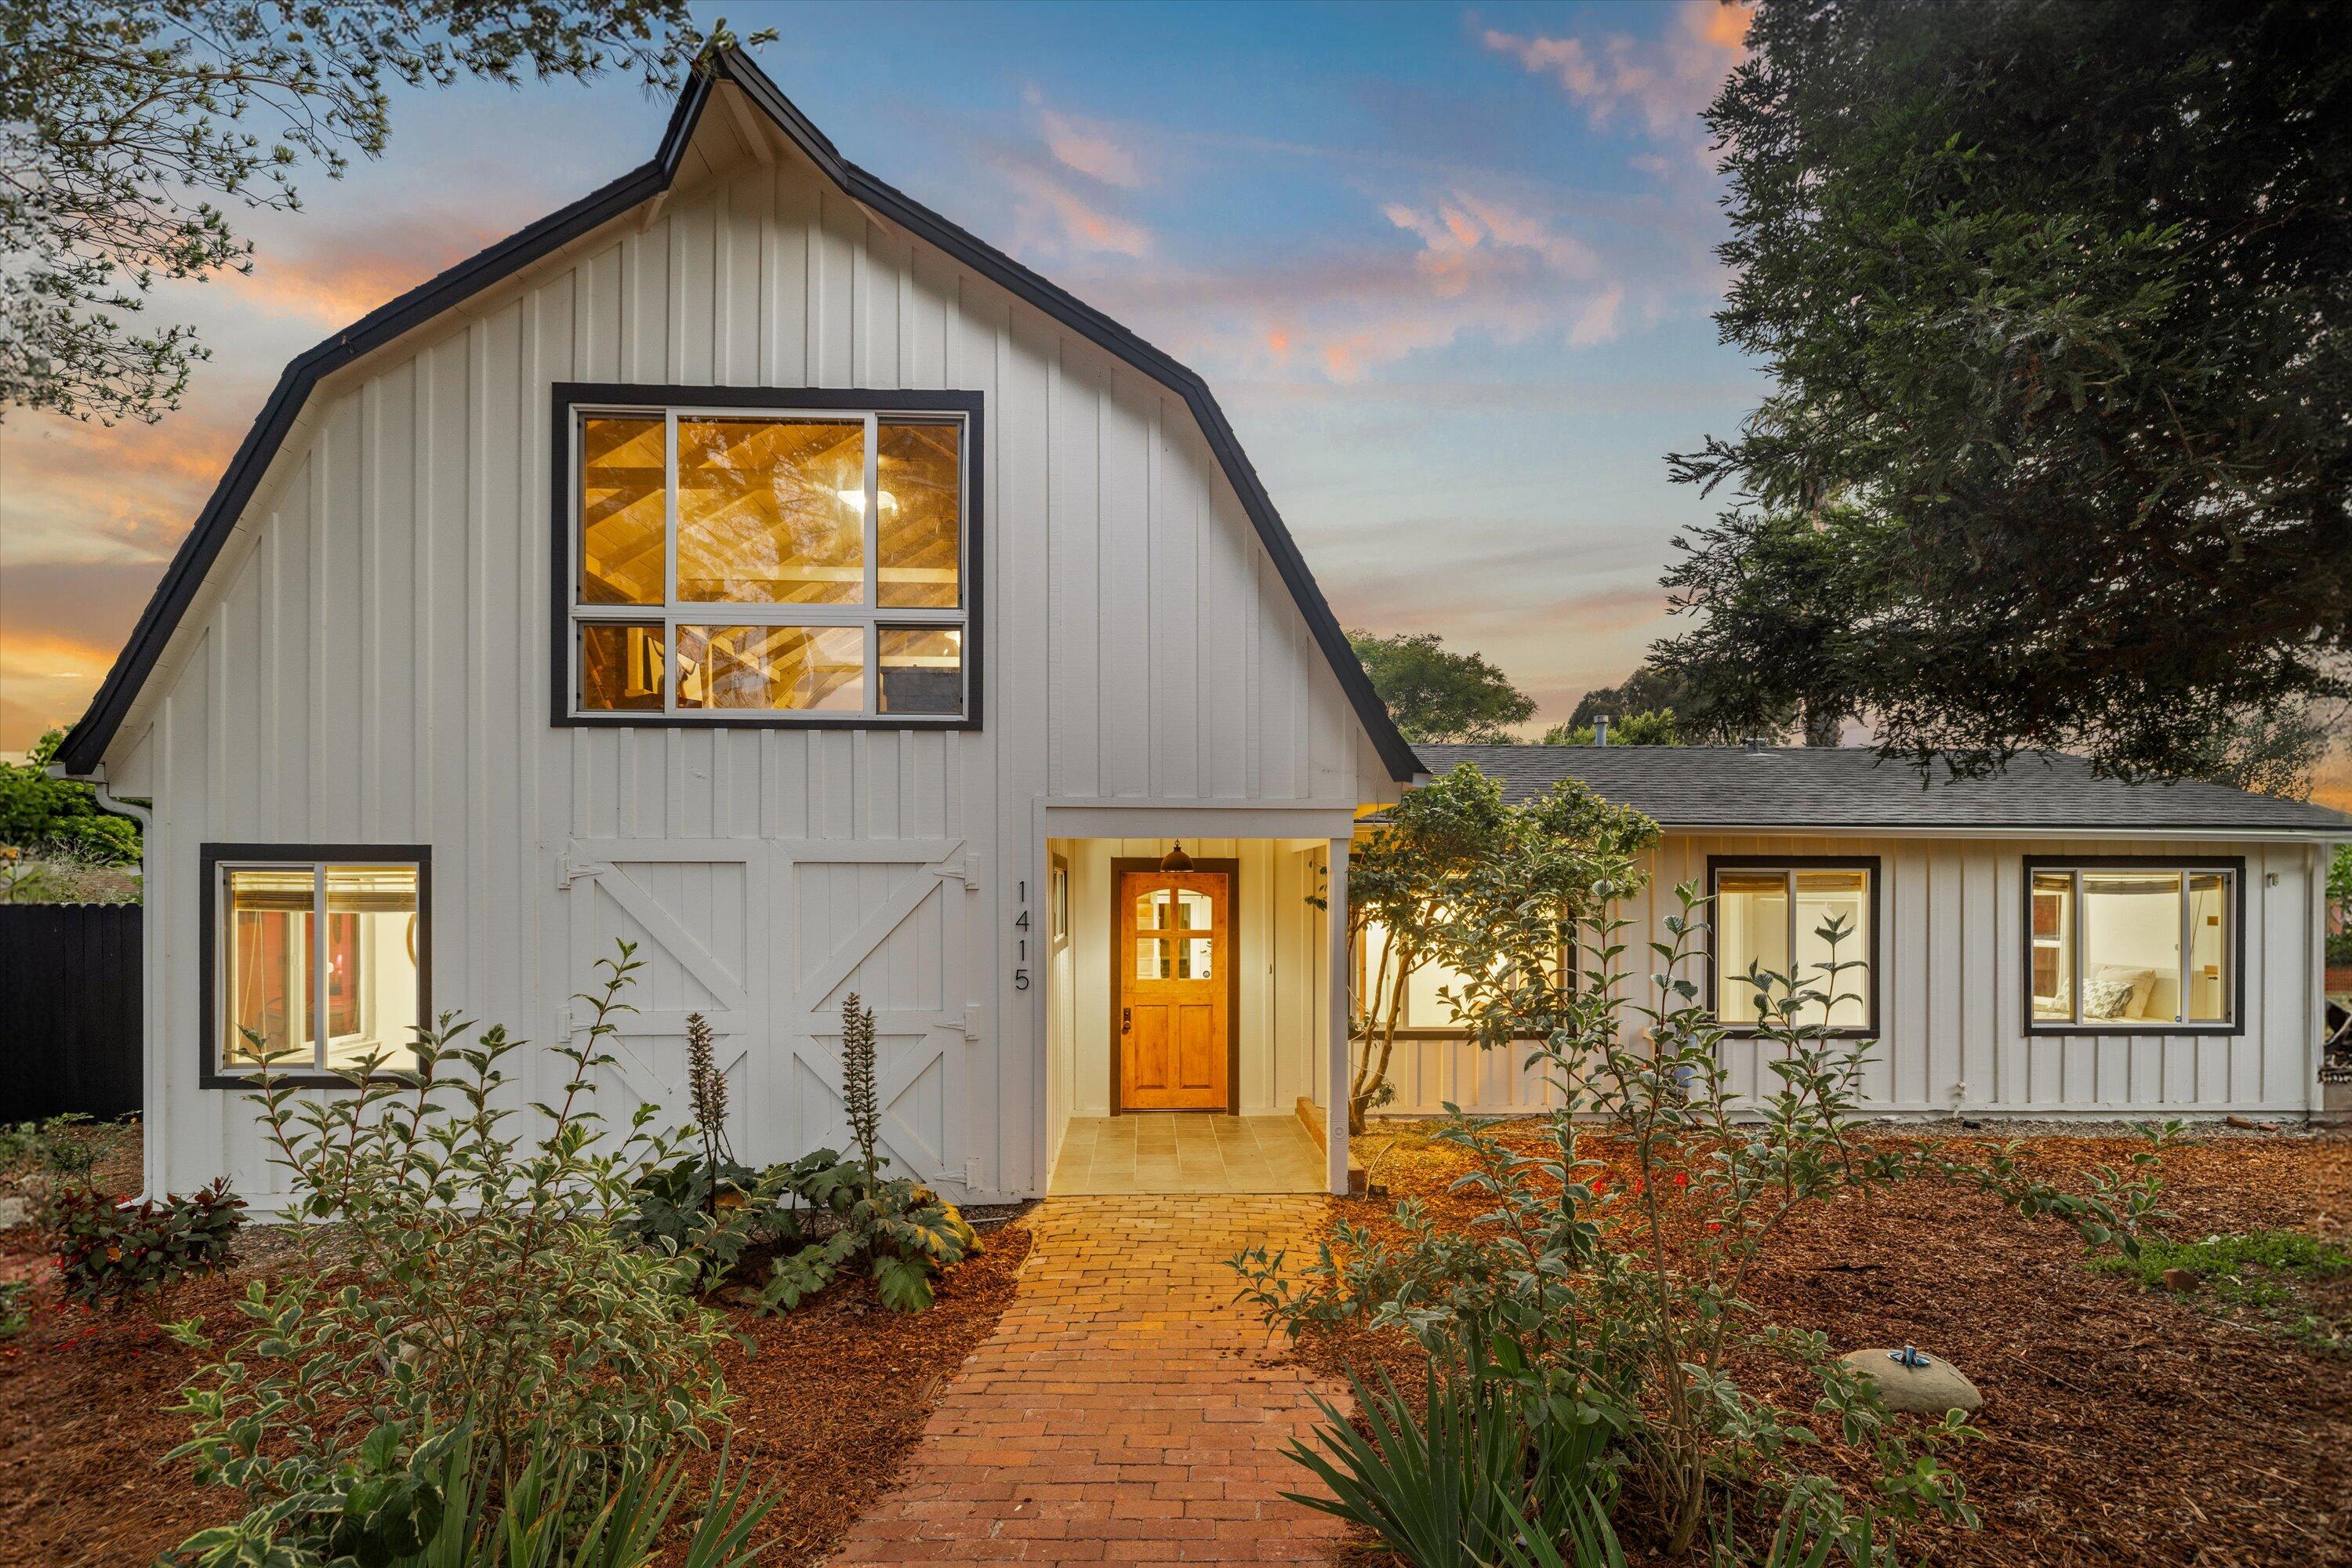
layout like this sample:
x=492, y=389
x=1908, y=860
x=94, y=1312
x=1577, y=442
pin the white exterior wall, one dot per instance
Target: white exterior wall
x=1951, y=997
x=368, y=663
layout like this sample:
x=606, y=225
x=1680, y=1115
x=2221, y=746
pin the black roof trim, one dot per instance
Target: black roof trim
x=86, y=745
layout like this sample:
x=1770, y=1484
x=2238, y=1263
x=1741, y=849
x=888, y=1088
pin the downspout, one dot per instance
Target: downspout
x=144, y=816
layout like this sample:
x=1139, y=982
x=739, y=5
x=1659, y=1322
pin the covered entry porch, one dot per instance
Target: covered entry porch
x=1194, y=1021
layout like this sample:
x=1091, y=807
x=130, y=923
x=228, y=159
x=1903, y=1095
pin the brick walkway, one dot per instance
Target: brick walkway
x=1125, y=1410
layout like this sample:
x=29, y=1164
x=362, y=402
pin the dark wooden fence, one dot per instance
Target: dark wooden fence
x=69, y=987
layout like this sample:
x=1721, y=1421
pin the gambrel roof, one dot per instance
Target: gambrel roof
x=88, y=743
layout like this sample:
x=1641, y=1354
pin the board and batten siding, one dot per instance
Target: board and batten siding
x=368, y=663
x=1951, y=992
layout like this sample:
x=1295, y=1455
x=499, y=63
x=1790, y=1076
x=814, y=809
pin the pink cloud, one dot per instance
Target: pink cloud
x=1055, y=220
x=1087, y=146
x=1666, y=81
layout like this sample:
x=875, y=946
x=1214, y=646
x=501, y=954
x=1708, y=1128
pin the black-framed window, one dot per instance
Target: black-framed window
x=1769, y=913
x=766, y=556
x=316, y=956
x=2135, y=945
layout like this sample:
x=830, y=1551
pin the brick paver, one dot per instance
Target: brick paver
x=1126, y=1410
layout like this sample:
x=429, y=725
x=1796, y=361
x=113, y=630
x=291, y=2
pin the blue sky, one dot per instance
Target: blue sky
x=1450, y=270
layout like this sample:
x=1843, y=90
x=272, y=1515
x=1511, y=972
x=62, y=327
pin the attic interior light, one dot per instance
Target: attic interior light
x=856, y=499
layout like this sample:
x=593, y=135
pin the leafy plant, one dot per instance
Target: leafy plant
x=1436, y=694
x=426, y=1508
x=1456, y=1484
x=13, y=1317
x=2258, y=1270
x=453, y=1274
x=903, y=1233
x=860, y=1099
x=110, y=1251
x=40, y=814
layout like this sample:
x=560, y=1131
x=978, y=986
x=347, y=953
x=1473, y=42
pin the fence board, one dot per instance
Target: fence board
x=70, y=989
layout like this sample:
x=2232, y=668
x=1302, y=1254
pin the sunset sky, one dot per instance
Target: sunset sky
x=1449, y=269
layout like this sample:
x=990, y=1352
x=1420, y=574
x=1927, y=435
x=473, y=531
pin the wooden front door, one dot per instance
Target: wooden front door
x=1174, y=960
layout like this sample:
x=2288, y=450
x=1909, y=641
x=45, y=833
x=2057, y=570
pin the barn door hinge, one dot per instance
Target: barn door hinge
x=572, y=869
x=964, y=868
x=966, y=1023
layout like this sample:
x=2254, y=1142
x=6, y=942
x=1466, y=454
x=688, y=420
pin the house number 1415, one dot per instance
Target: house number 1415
x=1021, y=939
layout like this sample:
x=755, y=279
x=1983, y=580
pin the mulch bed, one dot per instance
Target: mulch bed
x=832, y=1398
x=2123, y=1428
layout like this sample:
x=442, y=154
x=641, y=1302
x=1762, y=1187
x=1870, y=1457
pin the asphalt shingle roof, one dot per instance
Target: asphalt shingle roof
x=1850, y=787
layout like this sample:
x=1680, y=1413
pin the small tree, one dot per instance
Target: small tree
x=860, y=1100
x=1452, y=838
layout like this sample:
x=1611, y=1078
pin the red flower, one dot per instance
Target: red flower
x=1682, y=1179
x=1715, y=1225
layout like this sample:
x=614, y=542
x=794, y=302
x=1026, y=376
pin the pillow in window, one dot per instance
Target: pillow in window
x=2139, y=983
x=2105, y=999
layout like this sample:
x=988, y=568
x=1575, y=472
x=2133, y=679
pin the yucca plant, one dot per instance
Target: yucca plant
x=1456, y=1486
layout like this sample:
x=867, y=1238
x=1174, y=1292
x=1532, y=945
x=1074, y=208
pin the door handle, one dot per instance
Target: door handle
x=1126, y=1020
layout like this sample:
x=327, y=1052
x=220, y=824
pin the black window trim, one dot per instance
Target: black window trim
x=210, y=1075
x=1875, y=957
x=2235, y=865
x=568, y=396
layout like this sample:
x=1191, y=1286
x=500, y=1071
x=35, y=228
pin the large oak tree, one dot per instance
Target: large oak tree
x=2055, y=294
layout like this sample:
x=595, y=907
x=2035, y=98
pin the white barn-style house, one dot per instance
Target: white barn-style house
x=749, y=563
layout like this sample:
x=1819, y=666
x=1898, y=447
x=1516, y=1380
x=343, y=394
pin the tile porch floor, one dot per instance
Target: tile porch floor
x=1186, y=1152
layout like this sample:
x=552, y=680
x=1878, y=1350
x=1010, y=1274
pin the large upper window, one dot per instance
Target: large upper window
x=769, y=564
x=1771, y=917
x=2132, y=945
x=316, y=964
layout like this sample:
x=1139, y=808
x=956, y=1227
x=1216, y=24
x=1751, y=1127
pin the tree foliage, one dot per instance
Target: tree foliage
x=2054, y=297
x=1438, y=695
x=1445, y=848
x=39, y=813
x=129, y=128
x=1649, y=727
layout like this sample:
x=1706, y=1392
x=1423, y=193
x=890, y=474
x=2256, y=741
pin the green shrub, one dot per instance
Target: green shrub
x=110, y=1251
x=1484, y=1464
x=455, y=1276
x=902, y=1232
x=426, y=1508
x=1624, y=1301
x=14, y=1318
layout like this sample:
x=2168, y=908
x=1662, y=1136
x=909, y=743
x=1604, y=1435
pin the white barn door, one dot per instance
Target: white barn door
x=766, y=939
x=886, y=920
x=698, y=913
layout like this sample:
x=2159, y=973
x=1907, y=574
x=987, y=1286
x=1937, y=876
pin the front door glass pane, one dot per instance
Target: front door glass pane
x=1152, y=958
x=1192, y=958
x=918, y=516
x=770, y=511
